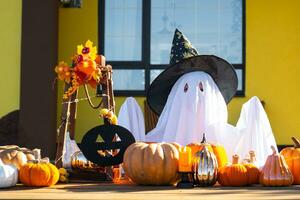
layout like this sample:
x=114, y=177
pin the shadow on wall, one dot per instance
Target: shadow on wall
x=9, y=128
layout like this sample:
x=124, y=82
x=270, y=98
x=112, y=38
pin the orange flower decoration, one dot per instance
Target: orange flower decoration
x=86, y=68
x=63, y=72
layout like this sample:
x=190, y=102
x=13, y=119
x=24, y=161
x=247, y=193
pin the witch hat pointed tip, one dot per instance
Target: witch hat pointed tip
x=177, y=30
x=203, y=138
x=181, y=48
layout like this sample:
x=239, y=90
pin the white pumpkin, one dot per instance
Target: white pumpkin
x=8, y=175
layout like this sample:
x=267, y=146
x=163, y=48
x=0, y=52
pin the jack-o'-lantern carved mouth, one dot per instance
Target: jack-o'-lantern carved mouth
x=108, y=153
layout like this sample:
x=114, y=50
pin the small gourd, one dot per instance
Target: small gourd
x=14, y=155
x=8, y=175
x=275, y=172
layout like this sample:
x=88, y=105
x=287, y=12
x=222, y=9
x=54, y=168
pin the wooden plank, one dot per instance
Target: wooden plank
x=38, y=57
x=111, y=191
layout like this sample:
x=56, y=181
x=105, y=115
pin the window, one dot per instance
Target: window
x=136, y=36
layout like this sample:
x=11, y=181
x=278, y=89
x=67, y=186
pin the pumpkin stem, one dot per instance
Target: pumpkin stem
x=252, y=156
x=296, y=142
x=36, y=154
x=203, y=139
x=273, y=149
x=235, y=159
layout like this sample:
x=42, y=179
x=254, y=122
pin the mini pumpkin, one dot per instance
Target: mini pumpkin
x=234, y=174
x=218, y=150
x=8, y=175
x=275, y=172
x=152, y=163
x=39, y=173
x=252, y=170
x=292, y=158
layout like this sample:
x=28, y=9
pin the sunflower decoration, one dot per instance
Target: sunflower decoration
x=85, y=69
x=87, y=51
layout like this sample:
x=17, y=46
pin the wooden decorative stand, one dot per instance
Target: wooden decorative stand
x=68, y=118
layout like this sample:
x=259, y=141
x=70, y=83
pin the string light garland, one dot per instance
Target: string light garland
x=83, y=99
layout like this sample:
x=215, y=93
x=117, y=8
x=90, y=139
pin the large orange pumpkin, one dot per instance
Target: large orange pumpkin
x=292, y=158
x=218, y=150
x=275, y=172
x=38, y=173
x=152, y=163
x=234, y=174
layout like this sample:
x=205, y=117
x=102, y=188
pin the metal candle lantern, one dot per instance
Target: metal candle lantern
x=205, y=166
x=78, y=161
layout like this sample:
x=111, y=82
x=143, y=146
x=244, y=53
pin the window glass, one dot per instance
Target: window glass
x=213, y=26
x=239, y=74
x=154, y=73
x=129, y=79
x=123, y=30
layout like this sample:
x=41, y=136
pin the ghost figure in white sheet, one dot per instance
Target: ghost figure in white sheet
x=196, y=106
x=193, y=104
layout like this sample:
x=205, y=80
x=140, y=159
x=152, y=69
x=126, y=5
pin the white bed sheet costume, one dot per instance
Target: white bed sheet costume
x=187, y=115
x=195, y=105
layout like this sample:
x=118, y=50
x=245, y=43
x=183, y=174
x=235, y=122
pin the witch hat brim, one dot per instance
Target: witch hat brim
x=219, y=69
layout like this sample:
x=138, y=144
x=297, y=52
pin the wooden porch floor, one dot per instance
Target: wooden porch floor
x=116, y=192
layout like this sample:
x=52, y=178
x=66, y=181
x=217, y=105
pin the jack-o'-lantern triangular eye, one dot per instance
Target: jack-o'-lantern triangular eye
x=99, y=139
x=116, y=137
x=186, y=87
x=201, y=87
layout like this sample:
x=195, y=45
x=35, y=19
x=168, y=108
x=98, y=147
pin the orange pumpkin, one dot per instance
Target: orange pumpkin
x=252, y=170
x=252, y=173
x=292, y=158
x=218, y=150
x=234, y=174
x=276, y=172
x=38, y=173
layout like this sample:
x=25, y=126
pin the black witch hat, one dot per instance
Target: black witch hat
x=184, y=58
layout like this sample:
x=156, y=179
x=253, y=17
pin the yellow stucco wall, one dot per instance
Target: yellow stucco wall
x=10, y=37
x=272, y=61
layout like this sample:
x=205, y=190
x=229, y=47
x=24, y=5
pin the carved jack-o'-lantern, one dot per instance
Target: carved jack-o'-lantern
x=105, y=145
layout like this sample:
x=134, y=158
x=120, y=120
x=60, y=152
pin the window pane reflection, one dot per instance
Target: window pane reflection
x=123, y=30
x=213, y=26
x=129, y=79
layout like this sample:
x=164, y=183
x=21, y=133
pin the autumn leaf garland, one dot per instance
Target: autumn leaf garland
x=85, y=69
